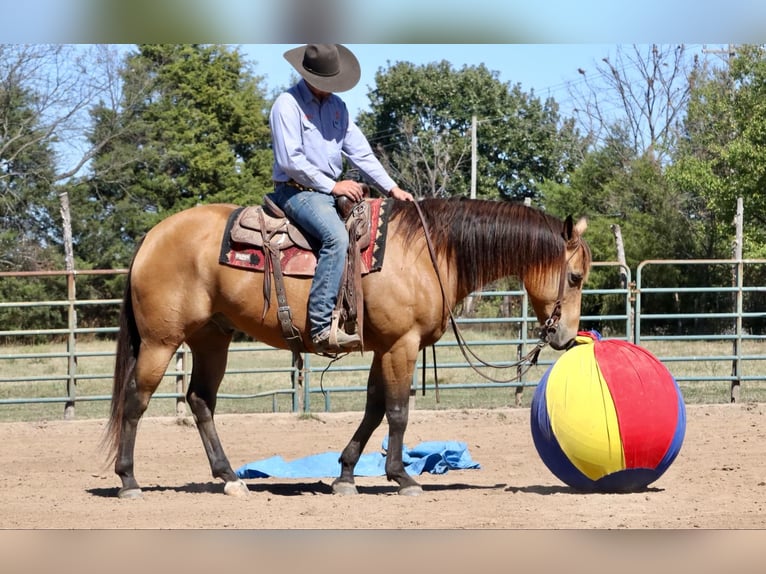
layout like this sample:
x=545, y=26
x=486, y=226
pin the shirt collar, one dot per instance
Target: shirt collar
x=307, y=95
x=304, y=92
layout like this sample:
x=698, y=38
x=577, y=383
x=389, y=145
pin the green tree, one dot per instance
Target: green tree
x=27, y=173
x=722, y=155
x=27, y=208
x=46, y=94
x=420, y=121
x=644, y=88
x=193, y=129
x=615, y=186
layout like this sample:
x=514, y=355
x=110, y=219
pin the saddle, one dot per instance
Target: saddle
x=267, y=227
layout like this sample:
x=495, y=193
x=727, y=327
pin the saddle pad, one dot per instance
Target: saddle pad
x=297, y=262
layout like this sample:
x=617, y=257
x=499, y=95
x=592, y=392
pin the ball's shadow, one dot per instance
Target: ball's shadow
x=561, y=489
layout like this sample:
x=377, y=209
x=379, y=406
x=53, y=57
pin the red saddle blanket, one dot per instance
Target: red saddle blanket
x=302, y=262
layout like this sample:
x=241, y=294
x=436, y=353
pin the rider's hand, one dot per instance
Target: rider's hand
x=398, y=193
x=349, y=188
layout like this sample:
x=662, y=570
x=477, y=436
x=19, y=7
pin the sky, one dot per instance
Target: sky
x=540, y=45
x=550, y=70
x=545, y=68
x=393, y=21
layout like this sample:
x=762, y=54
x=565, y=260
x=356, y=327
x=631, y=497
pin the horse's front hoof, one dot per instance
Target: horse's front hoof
x=344, y=488
x=236, y=488
x=412, y=490
x=130, y=493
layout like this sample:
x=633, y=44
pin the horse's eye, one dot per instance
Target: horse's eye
x=575, y=279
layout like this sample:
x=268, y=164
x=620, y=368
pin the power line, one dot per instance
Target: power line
x=567, y=103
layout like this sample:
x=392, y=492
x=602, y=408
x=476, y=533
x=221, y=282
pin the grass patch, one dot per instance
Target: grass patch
x=258, y=379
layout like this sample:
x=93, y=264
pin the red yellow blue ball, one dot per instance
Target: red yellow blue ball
x=607, y=416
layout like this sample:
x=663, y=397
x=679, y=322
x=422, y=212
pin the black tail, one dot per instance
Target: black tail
x=128, y=344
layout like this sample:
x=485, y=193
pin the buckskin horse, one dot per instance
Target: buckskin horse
x=437, y=252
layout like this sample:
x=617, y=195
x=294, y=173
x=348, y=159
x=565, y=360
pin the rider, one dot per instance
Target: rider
x=311, y=135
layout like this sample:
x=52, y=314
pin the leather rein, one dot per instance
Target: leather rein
x=527, y=361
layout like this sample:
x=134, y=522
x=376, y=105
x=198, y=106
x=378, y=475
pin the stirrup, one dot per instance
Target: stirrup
x=337, y=342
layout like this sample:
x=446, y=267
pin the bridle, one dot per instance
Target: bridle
x=549, y=328
x=551, y=324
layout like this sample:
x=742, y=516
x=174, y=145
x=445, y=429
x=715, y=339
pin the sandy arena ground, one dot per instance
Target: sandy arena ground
x=53, y=476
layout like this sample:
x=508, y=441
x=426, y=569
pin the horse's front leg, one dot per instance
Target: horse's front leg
x=388, y=392
x=397, y=414
x=397, y=367
x=374, y=410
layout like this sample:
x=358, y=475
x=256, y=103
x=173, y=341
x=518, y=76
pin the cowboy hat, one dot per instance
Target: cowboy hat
x=328, y=67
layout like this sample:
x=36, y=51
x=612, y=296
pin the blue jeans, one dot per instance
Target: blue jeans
x=315, y=213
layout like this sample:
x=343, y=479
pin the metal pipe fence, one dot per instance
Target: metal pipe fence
x=502, y=328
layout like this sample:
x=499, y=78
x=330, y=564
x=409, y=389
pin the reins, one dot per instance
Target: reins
x=527, y=361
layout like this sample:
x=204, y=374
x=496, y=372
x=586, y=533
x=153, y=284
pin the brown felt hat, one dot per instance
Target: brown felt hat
x=328, y=67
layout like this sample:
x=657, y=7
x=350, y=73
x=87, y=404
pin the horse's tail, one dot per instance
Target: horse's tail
x=128, y=344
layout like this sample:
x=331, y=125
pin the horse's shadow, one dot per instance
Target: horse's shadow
x=289, y=489
x=321, y=487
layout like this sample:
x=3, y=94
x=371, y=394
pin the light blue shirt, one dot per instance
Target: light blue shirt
x=310, y=139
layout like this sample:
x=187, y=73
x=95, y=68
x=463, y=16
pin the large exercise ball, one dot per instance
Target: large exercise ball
x=607, y=416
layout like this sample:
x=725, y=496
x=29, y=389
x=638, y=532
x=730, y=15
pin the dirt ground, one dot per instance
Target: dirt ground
x=53, y=476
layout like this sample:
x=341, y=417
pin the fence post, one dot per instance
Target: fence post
x=299, y=376
x=71, y=310
x=521, y=348
x=738, y=281
x=520, y=374
x=181, y=381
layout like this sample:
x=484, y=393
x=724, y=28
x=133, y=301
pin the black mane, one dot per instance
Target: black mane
x=486, y=239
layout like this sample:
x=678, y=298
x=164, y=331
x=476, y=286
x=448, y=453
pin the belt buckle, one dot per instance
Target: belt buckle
x=299, y=186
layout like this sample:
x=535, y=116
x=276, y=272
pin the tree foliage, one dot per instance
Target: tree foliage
x=670, y=143
x=614, y=186
x=193, y=129
x=644, y=89
x=420, y=121
x=27, y=172
x=722, y=155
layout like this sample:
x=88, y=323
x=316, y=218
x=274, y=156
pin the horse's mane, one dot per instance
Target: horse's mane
x=487, y=239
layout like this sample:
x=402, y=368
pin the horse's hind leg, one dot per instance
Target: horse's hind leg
x=149, y=370
x=209, y=348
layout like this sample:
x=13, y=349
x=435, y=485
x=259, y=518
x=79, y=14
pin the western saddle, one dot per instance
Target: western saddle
x=268, y=227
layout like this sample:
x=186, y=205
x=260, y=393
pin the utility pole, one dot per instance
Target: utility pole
x=729, y=52
x=737, y=267
x=473, y=157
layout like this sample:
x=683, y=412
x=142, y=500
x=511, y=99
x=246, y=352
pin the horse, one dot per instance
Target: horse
x=438, y=251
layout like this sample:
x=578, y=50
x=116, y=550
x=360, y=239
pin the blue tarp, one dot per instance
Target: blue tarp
x=435, y=457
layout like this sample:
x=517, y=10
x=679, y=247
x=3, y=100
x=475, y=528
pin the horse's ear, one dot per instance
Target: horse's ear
x=581, y=226
x=572, y=229
x=568, y=227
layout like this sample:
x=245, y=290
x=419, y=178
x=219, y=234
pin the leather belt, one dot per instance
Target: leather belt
x=295, y=184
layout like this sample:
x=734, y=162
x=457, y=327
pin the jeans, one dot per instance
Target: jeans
x=315, y=213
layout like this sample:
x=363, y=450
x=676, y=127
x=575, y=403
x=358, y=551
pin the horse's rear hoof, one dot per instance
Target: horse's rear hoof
x=412, y=490
x=236, y=488
x=130, y=493
x=344, y=488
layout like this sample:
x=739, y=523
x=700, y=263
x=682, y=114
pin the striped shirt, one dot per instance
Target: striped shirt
x=310, y=139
